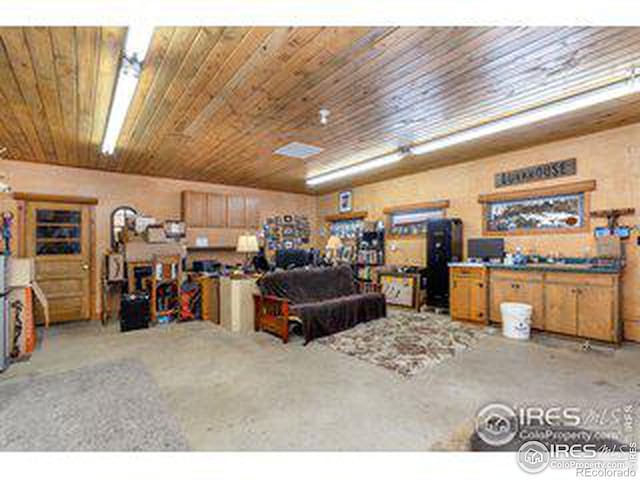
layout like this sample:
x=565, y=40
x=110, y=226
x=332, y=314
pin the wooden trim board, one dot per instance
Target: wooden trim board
x=346, y=216
x=43, y=197
x=434, y=205
x=564, y=189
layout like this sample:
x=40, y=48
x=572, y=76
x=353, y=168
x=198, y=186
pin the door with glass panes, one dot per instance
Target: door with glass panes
x=58, y=237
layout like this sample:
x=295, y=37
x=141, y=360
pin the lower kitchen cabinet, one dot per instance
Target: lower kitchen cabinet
x=518, y=287
x=468, y=293
x=580, y=304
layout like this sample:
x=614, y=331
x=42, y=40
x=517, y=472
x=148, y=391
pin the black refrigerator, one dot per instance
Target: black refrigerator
x=444, y=245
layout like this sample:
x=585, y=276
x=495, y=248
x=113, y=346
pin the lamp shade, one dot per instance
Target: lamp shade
x=334, y=243
x=247, y=244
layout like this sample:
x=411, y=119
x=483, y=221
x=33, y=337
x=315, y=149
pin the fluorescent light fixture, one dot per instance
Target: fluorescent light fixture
x=577, y=102
x=545, y=112
x=357, y=168
x=136, y=46
x=138, y=41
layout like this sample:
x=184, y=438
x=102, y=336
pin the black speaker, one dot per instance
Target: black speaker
x=134, y=311
x=444, y=245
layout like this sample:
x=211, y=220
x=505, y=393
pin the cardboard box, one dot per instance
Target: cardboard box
x=22, y=272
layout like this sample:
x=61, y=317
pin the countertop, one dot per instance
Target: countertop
x=545, y=267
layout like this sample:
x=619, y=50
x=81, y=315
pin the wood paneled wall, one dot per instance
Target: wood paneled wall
x=611, y=157
x=150, y=195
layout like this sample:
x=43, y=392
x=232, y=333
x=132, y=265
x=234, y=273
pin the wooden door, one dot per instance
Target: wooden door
x=596, y=312
x=460, y=296
x=236, y=211
x=58, y=236
x=216, y=210
x=560, y=305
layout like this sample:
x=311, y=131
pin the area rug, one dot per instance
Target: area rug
x=113, y=406
x=405, y=342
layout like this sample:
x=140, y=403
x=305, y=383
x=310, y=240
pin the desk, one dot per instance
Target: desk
x=236, y=303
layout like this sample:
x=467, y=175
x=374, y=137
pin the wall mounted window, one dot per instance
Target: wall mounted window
x=560, y=209
x=411, y=220
x=118, y=220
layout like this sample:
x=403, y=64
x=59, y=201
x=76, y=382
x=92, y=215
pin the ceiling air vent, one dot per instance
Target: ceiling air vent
x=298, y=150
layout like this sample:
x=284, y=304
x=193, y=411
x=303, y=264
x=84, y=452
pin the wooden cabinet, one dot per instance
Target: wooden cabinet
x=214, y=210
x=210, y=298
x=560, y=308
x=252, y=212
x=581, y=304
x=518, y=287
x=236, y=211
x=598, y=312
x=194, y=209
x=468, y=293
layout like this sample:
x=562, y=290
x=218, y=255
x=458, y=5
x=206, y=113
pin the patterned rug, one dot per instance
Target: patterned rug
x=405, y=342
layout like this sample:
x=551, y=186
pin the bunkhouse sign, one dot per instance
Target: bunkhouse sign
x=545, y=171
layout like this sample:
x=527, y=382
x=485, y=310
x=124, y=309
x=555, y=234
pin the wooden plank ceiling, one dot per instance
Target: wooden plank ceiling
x=214, y=103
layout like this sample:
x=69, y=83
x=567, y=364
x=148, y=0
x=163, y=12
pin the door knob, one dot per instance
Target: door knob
x=85, y=267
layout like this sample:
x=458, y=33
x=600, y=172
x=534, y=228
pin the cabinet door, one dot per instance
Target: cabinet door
x=236, y=212
x=500, y=291
x=253, y=212
x=530, y=292
x=216, y=210
x=560, y=305
x=477, y=300
x=518, y=290
x=194, y=209
x=596, y=312
x=460, y=297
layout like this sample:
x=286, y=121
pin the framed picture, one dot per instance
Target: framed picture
x=345, y=201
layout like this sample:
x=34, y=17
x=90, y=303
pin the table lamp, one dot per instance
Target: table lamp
x=333, y=245
x=247, y=244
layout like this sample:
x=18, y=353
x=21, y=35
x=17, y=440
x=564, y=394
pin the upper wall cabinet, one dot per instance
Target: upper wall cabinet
x=252, y=212
x=236, y=211
x=194, y=209
x=214, y=210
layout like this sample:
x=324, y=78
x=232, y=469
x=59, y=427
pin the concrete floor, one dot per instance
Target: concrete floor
x=251, y=392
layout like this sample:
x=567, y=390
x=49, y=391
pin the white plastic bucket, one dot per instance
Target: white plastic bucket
x=516, y=320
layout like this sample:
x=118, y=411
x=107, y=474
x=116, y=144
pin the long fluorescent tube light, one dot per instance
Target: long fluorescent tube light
x=357, y=168
x=610, y=92
x=545, y=112
x=136, y=46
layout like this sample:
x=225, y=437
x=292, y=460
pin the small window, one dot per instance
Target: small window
x=58, y=232
x=118, y=221
x=412, y=222
x=548, y=213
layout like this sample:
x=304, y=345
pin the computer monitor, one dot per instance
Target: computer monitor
x=293, y=258
x=485, y=248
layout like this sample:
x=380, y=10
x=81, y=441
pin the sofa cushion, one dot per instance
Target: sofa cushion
x=334, y=315
x=309, y=285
